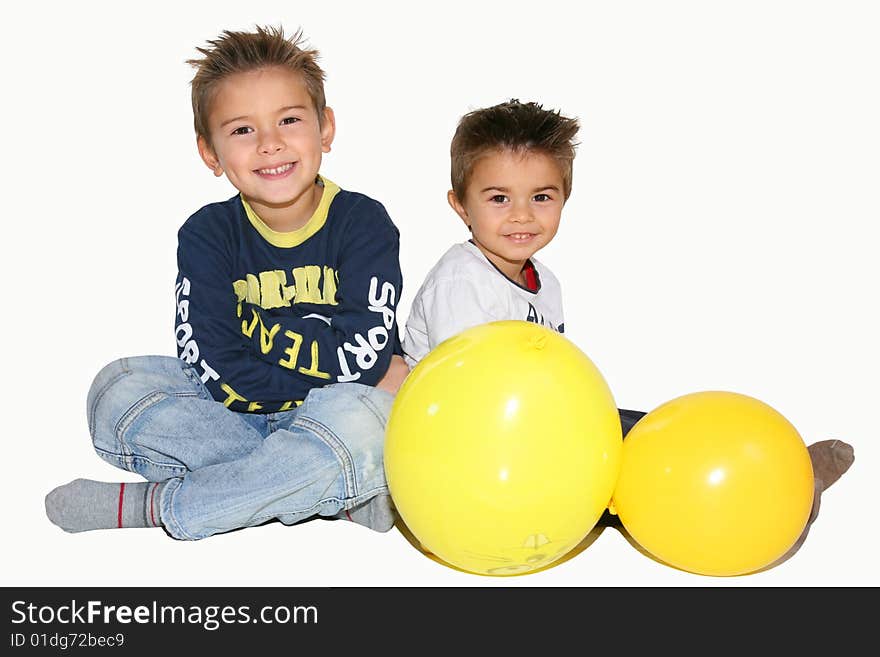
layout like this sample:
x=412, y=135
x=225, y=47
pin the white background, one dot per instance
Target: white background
x=722, y=234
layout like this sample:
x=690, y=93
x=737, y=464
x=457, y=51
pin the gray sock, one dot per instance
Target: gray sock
x=84, y=504
x=378, y=514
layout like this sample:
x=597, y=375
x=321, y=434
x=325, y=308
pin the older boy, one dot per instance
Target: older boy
x=511, y=176
x=286, y=328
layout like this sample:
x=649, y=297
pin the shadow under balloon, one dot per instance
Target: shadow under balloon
x=635, y=544
x=513, y=569
x=516, y=570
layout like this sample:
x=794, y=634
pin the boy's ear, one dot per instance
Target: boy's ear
x=328, y=130
x=209, y=157
x=456, y=205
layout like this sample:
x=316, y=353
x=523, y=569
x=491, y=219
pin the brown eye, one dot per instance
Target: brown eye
x=243, y=130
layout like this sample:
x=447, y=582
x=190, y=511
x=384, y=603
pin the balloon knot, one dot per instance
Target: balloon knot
x=539, y=341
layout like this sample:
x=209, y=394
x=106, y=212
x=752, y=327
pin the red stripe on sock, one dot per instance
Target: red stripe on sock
x=152, y=495
x=349, y=515
x=119, y=512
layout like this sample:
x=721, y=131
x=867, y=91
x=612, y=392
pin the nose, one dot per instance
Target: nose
x=521, y=213
x=270, y=143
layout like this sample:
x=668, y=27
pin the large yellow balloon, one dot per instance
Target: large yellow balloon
x=715, y=483
x=502, y=448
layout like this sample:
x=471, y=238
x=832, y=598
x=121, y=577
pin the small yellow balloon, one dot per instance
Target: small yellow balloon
x=502, y=448
x=715, y=483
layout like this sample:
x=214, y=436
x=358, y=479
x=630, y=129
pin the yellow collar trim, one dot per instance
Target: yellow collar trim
x=300, y=235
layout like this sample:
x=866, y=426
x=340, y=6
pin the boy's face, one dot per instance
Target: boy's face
x=267, y=139
x=512, y=205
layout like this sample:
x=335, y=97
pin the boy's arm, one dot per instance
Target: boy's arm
x=248, y=356
x=398, y=370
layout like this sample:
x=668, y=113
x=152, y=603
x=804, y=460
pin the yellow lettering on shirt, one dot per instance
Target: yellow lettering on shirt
x=240, y=289
x=313, y=368
x=331, y=283
x=267, y=337
x=231, y=395
x=272, y=285
x=292, y=351
x=270, y=289
x=307, y=281
x=253, y=289
x=248, y=329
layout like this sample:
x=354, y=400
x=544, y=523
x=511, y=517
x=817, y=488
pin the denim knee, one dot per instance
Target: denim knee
x=126, y=388
x=351, y=418
x=101, y=384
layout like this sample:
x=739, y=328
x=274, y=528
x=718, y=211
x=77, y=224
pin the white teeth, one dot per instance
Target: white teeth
x=520, y=236
x=276, y=170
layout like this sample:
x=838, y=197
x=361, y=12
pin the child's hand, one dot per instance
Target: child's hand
x=397, y=371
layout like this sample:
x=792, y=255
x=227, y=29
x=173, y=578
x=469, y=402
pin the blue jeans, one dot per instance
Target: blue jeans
x=223, y=470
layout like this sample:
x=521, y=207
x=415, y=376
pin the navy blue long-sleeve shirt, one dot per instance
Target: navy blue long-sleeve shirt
x=267, y=316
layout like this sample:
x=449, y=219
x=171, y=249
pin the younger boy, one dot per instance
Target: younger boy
x=511, y=176
x=285, y=326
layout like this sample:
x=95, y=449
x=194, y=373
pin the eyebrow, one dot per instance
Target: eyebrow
x=506, y=190
x=281, y=110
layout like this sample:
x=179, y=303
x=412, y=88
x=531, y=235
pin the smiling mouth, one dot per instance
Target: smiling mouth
x=275, y=172
x=520, y=237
